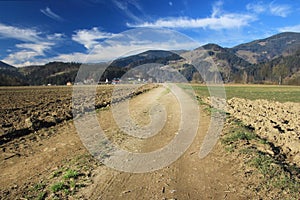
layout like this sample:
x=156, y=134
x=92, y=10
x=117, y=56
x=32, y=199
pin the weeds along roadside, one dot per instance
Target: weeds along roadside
x=65, y=181
x=264, y=167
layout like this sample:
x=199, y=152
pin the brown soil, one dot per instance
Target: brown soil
x=276, y=122
x=25, y=110
x=34, y=158
x=187, y=178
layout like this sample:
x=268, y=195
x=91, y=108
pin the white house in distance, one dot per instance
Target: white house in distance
x=69, y=83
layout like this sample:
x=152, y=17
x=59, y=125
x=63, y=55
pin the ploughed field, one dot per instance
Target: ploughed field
x=263, y=134
x=28, y=109
x=276, y=122
x=273, y=112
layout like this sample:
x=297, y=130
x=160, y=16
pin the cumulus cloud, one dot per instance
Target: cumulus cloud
x=272, y=8
x=49, y=13
x=90, y=38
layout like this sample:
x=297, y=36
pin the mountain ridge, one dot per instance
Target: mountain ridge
x=266, y=49
x=4, y=65
x=10, y=75
x=269, y=60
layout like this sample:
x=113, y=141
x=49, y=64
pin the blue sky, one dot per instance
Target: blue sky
x=37, y=32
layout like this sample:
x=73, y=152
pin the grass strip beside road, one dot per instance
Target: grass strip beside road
x=253, y=92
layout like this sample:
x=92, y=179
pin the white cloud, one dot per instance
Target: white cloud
x=39, y=48
x=280, y=10
x=22, y=55
x=55, y=36
x=295, y=28
x=49, y=13
x=226, y=21
x=217, y=9
x=256, y=7
x=23, y=34
x=33, y=46
x=217, y=21
x=89, y=38
x=30, y=54
x=113, y=46
x=109, y=53
x=125, y=5
x=21, y=58
x=26, y=34
x=129, y=43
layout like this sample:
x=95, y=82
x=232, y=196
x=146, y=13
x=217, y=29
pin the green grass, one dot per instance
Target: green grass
x=252, y=92
x=39, y=186
x=72, y=184
x=240, y=135
x=56, y=173
x=213, y=110
x=264, y=163
x=275, y=175
x=238, y=132
x=230, y=148
x=64, y=182
x=68, y=185
x=70, y=174
x=274, y=93
x=58, y=186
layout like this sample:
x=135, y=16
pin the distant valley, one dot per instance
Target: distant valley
x=273, y=60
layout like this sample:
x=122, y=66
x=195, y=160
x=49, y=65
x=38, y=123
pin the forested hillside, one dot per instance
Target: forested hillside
x=273, y=60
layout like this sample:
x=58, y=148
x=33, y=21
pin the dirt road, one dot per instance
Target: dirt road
x=189, y=177
x=35, y=158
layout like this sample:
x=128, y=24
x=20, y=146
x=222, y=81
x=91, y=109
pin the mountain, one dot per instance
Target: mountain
x=229, y=59
x=59, y=73
x=273, y=60
x=281, y=70
x=229, y=64
x=151, y=56
x=149, y=62
x=210, y=57
x=282, y=44
x=10, y=76
x=55, y=73
x=6, y=66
